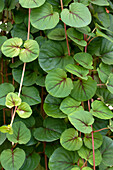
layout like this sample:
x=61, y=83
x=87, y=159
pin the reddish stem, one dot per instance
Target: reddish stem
x=45, y=156
x=100, y=130
x=2, y=70
x=4, y=116
x=13, y=78
x=6, y=71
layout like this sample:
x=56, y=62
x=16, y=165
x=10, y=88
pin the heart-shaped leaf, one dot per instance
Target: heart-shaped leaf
x=24, y=110
x=84, y=89
x=6, y=129
x=57, y=34
x=30, y=95
x=30, y=52
x=31, y=3
x=51, y=131
x=82, y=121
x=100, y=110
x=76, y=36
x=11, y=47
x=84, y=59
x=12, y=100
x=12, y=158
x=62, y=159
x=98, y=139
x=44, y=18
x=5, y=88
x=51, y=107
x=54, y=55
x=78, y=15
x=78, y=71
x=70, y=105
x=110, y=83
x=21, y=133
x=57, y=83
x=70, y=140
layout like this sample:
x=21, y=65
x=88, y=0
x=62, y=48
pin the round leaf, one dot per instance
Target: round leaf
x=31, y=3
x=70, y=140
x=57, y=83
x=100, y=110
x=78, y=15
x=62, y=159
x=82, y=121
x=11, y=47
x=54, y=55
x=57, y=34
x=12, y=100
x=84, y=89
x=44, y=18
x=12, y=159
x=98, y=139
x=30, y=52
x=69, y=105
x=51, y=131
x=24, y=110
x=51, y=107
x=21, y=134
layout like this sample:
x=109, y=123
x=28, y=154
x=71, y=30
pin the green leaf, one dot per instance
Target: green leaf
x=62, y=159
x=54, y=55
x=84, y=89
x=11, y=47
x=21, y=134
x=100, y=110
x=110, y=83
x=57, y=34
x=31, y=51
x=101, y=34
x=12, y=100
x=51, y=107
x=1, y=5
x=78, y=71
x=98, y=140
x=100, y=2
x=51, y=131
x=31, y=161
x=24, y=110
x=12, y=159
x=84, y=59
x=87, y=154
x=30, y=95
x=57, y=83
x=31, y=3
x=111, y=125
x=5, y=88
x=82, y=121
x=44, y=18
x=106, y=150
x=104, y=70
x=2, y=138
x=70, y=140
x=76, y=36
x=6, y=129
x=78, y=15
x=70, y=105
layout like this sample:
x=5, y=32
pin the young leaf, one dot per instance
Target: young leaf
x=12, y=100
x=51, y=107
x=24, y=110
x=44, y=18
x=78, y=15
x=78, y=71
x=31, y=51
x=11, y=47
x=6, y=129
x=84, y=89
x=69, y=140
x=70, y=105
x=12, y=158
x=82, y=121
x=100, y=110
x=51, y=131
x=21, y=133
x=31, y=3
x=62, y=159
x=57, y=83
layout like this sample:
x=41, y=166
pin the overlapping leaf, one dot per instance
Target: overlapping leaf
x=31, y=3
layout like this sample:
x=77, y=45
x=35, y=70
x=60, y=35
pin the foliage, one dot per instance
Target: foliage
x=56, y=84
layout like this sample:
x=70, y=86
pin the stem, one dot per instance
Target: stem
x=91, y=40
x=4, y=116
x=6, y=71
x=45, y=156
x=100, y=130
x=65, y=30
x=100, y=84
x=13, y=116
x=13, y=78
x=2, y=70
